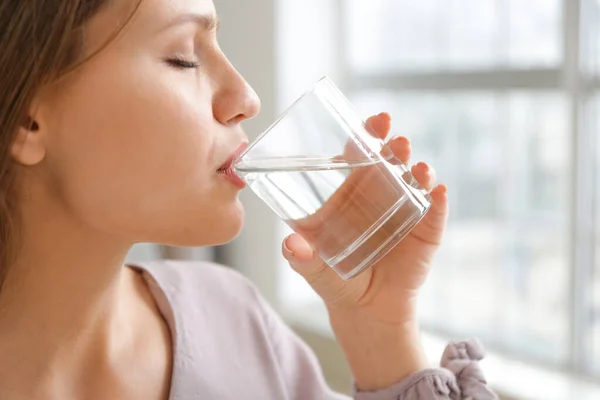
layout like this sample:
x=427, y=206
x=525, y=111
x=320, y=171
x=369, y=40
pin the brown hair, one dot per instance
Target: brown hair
x=39, y=42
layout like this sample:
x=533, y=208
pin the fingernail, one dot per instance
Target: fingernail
x=304, y=253
x=424, y=166
x=286, y=248
x=399, y=137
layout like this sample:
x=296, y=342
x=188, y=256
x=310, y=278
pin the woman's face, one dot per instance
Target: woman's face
x=134, y=138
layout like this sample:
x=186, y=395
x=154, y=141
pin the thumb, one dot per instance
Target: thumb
x=306, y=262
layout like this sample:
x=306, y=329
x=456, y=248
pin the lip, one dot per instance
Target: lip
x=227, y=171
x=229, y=162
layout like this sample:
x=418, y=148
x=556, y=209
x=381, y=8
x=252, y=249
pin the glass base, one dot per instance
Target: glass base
x=385, y=247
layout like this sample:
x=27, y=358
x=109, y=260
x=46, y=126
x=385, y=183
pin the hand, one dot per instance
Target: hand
x=380, y=302
x=388, y=290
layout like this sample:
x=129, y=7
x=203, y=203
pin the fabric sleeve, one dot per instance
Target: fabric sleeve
x=460, y=378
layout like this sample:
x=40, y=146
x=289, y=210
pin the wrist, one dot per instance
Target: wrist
x=379, y=354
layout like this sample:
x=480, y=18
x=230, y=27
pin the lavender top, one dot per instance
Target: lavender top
x=229, y=344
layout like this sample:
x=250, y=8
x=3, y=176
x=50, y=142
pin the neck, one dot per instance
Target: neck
x=66, y=299
x=63, y=275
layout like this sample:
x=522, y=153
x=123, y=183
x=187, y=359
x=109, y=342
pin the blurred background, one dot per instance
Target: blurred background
x=503, y=98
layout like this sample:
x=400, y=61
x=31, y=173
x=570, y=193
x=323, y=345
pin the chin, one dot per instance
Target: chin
x=230, y=225
x=221, y=228
x=223, y=235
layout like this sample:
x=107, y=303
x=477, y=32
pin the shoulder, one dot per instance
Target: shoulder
x=207, y=290
x=221, y=326
x=208, y=304
x=201, y=292
x=201, y=281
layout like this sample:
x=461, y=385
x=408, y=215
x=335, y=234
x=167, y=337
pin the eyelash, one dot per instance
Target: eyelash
x=182, y=63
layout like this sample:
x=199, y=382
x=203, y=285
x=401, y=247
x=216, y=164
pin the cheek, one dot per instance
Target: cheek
x=136, y=155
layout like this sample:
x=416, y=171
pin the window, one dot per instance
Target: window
x=502, y=96
x=400, y=36
x=506, y=158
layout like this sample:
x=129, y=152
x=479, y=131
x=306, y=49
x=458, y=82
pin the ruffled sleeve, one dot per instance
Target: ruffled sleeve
x=461, y=359
x=460, y=378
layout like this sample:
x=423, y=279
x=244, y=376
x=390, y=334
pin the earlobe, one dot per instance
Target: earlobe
x=28, y=146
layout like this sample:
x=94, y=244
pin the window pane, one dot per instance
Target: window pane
x=404, y=35
x=534, y=32
x=591, y=36
x=506, y=161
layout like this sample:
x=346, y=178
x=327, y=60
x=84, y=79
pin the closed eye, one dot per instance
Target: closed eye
x=182, y=63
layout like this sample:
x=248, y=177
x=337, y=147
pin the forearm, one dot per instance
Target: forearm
x=379, y=355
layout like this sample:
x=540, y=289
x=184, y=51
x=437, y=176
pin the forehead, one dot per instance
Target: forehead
x=145, y=18
x=164, y=12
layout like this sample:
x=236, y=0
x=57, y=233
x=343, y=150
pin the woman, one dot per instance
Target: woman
x=118, y=119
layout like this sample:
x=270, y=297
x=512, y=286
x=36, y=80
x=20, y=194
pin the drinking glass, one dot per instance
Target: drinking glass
x=321, y=171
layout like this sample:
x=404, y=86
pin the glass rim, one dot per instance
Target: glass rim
x=325, y=80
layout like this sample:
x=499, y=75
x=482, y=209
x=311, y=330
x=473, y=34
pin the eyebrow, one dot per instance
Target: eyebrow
x=208, y=22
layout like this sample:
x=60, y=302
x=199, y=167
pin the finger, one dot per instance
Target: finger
x=431, y=228
x=304, y=260
x=425, y=175
x=379, y=125
x=298, y=250
x=439, y=197
x=401, y=148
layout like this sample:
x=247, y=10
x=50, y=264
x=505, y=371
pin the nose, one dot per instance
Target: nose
x=234, y=100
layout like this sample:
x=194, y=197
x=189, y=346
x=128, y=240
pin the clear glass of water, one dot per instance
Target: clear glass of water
x=320, y=170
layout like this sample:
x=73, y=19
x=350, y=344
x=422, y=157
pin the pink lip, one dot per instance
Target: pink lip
x=228, y=163
x=228, y=172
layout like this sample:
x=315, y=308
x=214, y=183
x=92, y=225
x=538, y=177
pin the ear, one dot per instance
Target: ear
x=28, y=147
